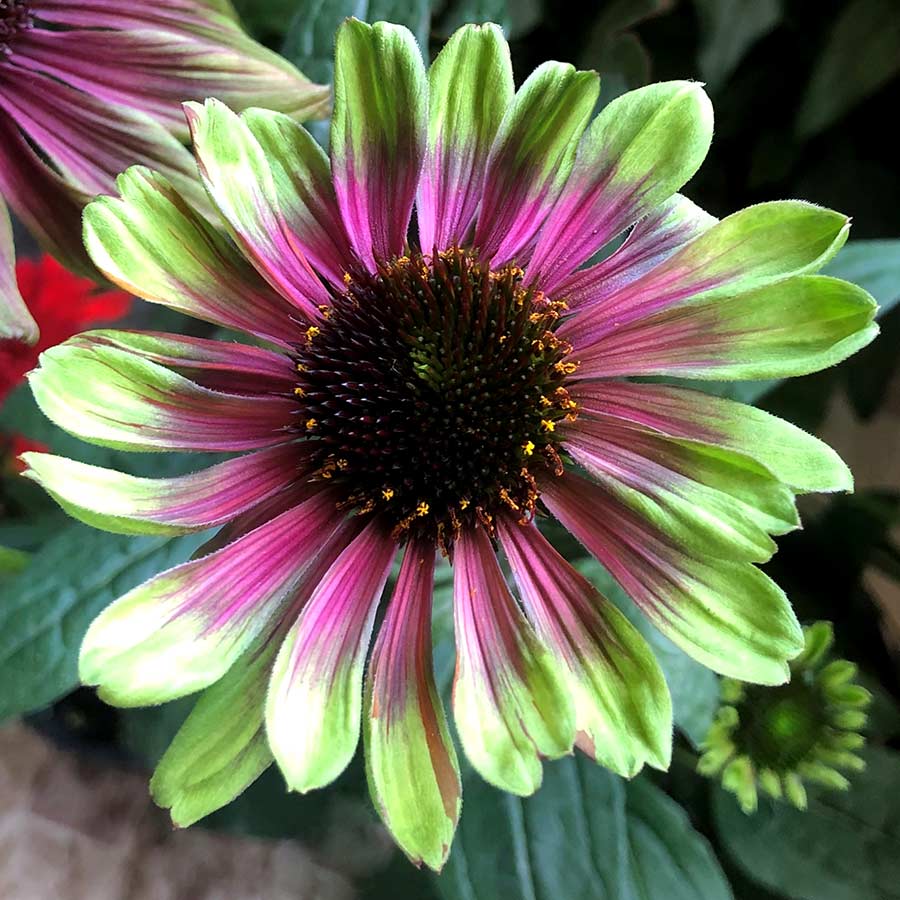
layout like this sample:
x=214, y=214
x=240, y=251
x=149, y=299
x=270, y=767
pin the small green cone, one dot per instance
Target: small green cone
x=776, y=739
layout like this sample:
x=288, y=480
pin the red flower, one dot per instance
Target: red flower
x=62, y=305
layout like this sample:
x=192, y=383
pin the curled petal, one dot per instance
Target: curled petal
x=230, y=367
x=126, y=504
x=791, y=328
x=510, y=702
x=237, y=175
x=758, y=246
x=153, y=244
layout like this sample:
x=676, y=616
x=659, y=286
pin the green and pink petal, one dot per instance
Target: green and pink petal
x=510, y=702
x=623, y=711
x=412, y=768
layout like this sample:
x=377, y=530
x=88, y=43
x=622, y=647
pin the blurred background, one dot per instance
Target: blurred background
x=806, y=98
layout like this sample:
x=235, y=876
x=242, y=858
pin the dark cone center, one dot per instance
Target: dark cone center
x=432, y=391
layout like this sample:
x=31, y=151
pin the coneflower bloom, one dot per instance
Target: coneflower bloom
x=444, y=387
x=97, y=86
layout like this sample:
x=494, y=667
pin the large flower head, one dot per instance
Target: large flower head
x=98, y=86
x=445, y=387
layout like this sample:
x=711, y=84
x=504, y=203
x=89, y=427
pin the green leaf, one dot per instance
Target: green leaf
x=694, y=688
x=846, y=846
x=729, y=28
x=309, y=43
x=586, y=835
x=861, y=54
x=12, y=562
x=47, y=608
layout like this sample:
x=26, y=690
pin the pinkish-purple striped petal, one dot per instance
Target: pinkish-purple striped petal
x=470, y=88
x=315, y=696
x=182, y=630
x=530, y=159
x=509, y=700
x=377, y=134
x=726, y=614
x=45, y=203
x=90, y=141
x=127, y=504
x=622, y=708
x=237, y=175
x=639, y=150
x=652, y=240
x=219, y=365
x=412, y=767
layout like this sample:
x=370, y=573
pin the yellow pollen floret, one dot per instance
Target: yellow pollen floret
x=311, y=332
x=464, y=503
x=299, y=392
x=422, y=508
x=311, y=423
x=387, y=493
x=548, y=425
x=348, y=278
x=528, y=448
x=546, y=401
x=566, y=368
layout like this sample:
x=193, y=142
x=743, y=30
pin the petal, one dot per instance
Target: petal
x=126, y=504
x=728, y=615
x=230, y=367
x=640, y=149
x=750, y=249
x=796, y=458
x=623, y=710
x=377, y=134
x=304, y=194
x=151, y=243
x=46, y=204
x=510, y=702
x=91, y=142
x=531, y=158
x=236, y=173
x=154, y=70
x=714, y=501
x=791, y=328
x=315, y=696
x=15, y=320
x=411, y=764
x=183, y=629
x=674, y=223
x=470, y=87
x=221, y=748
x=116, y=399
